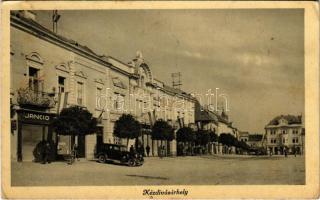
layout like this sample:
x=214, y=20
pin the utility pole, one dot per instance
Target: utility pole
x=176, y=80
x=55, y=19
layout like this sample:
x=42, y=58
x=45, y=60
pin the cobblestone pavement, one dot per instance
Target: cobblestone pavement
x=204, y=170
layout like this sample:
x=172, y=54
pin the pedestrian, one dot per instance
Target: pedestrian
x=148, y=150
x=46, y=153
x=160, y=152
x=75, y=152
x=131, y=150
x=285, y=153
x=163, y=151
x=43, y=152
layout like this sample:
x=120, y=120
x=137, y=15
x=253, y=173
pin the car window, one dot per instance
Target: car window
x=116, y=148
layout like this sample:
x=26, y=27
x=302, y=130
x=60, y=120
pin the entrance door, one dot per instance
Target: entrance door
x=81, y=146
x=99, y=139
x=31, y=136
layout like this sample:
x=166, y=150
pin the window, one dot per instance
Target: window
x=295, y=140
x=98, y=97
x=283, y=131
x=80, y=93
x=61, y=84
x=283, y=141
x=118, y=101
x=34, y=82
x=272, y=132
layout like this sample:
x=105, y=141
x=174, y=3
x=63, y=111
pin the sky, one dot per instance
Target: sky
x=254, y=56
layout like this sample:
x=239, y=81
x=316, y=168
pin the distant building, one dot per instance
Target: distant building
x=214, y=121
x=243, y=136
x=285, y=132
x=255, y=140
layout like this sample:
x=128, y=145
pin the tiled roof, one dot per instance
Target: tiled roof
x=292, y=119
x=202, y=114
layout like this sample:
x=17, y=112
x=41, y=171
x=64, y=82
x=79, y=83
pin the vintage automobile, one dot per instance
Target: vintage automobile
x=114, y=152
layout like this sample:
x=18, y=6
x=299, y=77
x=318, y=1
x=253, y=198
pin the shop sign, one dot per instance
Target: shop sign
x=35, y=117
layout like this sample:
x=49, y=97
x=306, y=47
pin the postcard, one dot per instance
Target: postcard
x=151, y=100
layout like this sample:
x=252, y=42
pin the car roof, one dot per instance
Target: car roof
x=119, y=145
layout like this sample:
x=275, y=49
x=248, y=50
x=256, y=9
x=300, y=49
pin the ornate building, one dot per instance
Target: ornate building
x=285, y=132
x=50, y=72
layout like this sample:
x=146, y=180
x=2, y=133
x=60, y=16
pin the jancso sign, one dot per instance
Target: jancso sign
x=32, y=117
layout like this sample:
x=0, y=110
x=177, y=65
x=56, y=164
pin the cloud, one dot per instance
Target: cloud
x=197, y=55
x=255, y=59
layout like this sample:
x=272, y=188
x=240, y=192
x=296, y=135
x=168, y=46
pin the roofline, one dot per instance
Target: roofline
x=49, y=36
x=53, y=38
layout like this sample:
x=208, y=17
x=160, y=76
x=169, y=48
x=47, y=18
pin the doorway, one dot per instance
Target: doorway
x=81, y=146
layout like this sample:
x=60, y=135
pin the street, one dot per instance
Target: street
x=204, y=170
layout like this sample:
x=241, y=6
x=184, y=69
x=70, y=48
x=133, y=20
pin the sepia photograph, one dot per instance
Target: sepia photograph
x=157, y=97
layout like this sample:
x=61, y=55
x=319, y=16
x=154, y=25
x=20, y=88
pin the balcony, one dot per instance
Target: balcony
x=28, y=98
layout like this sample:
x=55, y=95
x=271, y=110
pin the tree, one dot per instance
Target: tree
x=162, y=130
x=75, y=121
x=227, y=139
x=185, y=134
x=213, y=136
x=244, y=146
x=127, y=127
x=202, y=137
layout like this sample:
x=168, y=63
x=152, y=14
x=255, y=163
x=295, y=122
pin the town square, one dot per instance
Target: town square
x=99, y=100
x=208, y=170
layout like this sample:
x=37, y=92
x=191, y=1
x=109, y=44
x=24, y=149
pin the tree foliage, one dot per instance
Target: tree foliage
x=213, y=136
x=243, y=145
x=185, y=134
x=202, y=137
x=162, y=130
x=127, y=127
x=227, y=139
x=75, y=121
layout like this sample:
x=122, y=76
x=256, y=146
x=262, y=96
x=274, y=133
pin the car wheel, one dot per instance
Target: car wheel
x=131, y=163
x=102, y=158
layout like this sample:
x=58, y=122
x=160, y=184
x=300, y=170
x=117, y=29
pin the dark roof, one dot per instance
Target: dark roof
x=202, y=114
x=292, y=119
x=255, y=137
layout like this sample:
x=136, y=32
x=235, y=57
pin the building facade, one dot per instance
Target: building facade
x=285, y=133
x=255, y=140
x=217, y=122
x=244, y=136
x=50, y=72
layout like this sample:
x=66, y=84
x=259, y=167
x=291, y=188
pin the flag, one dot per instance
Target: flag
x=150, y=119
x=154, y=115
x=62, y=101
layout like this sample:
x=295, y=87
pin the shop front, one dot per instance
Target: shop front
x=33, y=127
